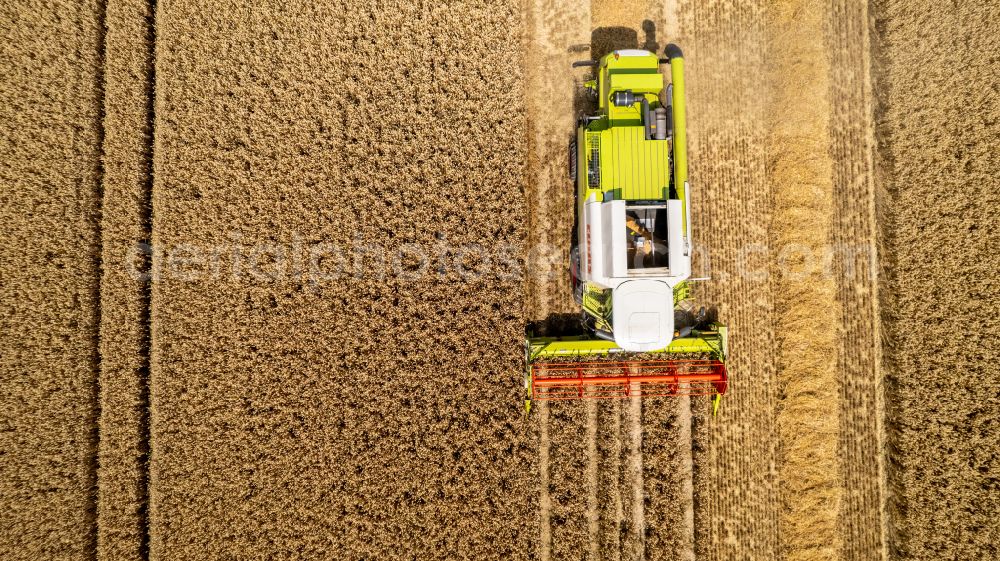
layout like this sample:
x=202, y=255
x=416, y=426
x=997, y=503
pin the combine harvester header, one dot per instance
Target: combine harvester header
x=630, y=260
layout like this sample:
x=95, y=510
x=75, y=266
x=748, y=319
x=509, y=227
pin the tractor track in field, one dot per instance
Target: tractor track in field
x=610, y=500
x=591, y=480
x=635, y=542
x=685, y=523
x=544, y=499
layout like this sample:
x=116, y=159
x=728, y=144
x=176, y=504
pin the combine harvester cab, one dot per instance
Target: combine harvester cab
x=631, y=256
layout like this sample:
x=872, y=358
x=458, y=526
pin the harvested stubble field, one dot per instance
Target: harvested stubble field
x=264, y=272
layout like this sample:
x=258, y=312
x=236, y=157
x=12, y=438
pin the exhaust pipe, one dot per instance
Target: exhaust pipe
x=661, y=117
x=626, y=98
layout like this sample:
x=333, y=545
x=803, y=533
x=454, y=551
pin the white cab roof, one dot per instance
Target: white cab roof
x=643, y=315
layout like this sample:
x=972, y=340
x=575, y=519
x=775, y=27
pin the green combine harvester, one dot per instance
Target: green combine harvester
x=630, y=259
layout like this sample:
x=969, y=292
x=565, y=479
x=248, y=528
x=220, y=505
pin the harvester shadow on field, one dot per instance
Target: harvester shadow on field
x=603, y=40
x=557, y=325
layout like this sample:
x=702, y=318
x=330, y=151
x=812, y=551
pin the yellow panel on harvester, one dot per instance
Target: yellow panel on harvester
x=651, y=83
x=632, y=167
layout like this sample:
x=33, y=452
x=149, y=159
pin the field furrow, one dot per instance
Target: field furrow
x=126, y=225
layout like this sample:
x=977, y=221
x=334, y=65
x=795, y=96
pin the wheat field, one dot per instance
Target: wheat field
x=265, y=270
